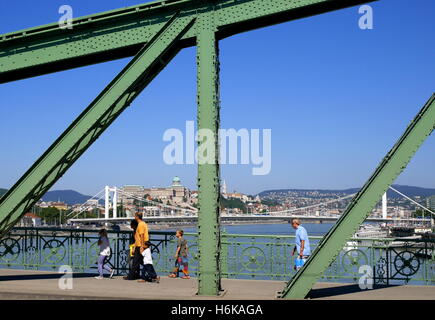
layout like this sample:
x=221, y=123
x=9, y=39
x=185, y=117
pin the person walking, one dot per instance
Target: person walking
x=140, y=237
x=181, y=257
x=104, y=255
x=148, y=272
x=302, y=246
x=133, y=226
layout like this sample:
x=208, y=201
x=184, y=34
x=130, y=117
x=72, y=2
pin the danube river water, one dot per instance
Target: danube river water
x=313, y=229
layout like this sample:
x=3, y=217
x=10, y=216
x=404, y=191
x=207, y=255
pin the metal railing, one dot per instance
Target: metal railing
x=262, y=257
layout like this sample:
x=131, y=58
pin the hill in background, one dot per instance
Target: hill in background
x=70, y=197
x=410, y=191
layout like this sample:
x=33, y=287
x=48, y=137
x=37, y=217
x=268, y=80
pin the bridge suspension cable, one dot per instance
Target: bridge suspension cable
x=86, y=206
x=311, y=206
x=413, y=201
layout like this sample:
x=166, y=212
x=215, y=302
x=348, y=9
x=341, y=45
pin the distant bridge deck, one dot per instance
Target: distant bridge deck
x=243, y=218
x=43, y=285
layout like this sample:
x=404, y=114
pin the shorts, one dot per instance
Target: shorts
x=299, y=263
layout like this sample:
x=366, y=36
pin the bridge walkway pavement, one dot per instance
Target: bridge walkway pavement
x=43, y=285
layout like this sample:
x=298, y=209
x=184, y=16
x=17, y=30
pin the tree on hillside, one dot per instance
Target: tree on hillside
x=270, y=202
x=50, y=215
x=233, y=203
x=419, y=213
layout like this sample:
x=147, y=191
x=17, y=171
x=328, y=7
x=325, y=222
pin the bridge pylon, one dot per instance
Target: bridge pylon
x=107, y=191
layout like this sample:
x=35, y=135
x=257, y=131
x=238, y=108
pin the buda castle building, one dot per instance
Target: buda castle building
x=176, y=193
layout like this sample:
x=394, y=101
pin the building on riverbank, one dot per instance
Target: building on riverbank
x=430, y=202
x=31, y=220
x=176, y=193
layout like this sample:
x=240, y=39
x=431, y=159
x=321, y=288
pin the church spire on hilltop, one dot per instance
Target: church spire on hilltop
x=224, y=188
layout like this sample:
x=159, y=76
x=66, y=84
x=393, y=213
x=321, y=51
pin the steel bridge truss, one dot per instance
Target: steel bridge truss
x=154, y=33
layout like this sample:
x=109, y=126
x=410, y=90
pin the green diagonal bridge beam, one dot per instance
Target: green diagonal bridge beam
x=363, y=203
x=80, y=135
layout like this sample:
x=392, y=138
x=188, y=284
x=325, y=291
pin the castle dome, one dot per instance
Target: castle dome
x=176, y=181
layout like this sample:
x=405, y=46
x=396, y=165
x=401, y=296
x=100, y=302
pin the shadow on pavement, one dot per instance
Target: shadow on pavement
x=42, y=276
x=341, y=290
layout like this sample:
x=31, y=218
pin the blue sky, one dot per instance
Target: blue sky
x=336, y=98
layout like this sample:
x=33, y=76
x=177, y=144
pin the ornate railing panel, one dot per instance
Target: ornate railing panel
x=265, y=257
x=50, y=248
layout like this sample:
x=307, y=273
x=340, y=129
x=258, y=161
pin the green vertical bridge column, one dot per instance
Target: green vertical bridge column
x=363, y=203
x=208, y=155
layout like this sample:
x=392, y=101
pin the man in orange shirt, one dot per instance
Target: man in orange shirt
x=140, y=237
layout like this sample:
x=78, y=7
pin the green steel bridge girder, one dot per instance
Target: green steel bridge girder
x=121, y=33
x=363, y=203
x=209, y=277
x=78, y=137
x=162, y=29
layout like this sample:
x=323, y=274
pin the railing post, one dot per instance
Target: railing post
x=224, y=254
x=388, y=265
x=425, y=262
x=208, y=155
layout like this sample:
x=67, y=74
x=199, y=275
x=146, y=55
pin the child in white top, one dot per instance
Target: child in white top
x=148, y=272
x=147, y=257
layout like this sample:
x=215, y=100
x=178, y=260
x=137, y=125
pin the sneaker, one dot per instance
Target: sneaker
x=99, y=277
x=111, y=274
x=157, y=280
x=185, y=277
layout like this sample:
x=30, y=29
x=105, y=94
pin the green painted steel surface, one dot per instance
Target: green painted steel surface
x=115, y=98
x=208, y=161
x=124, y=32
x=363, y=203
x=121, y=33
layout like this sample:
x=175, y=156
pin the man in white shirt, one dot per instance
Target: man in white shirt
x=302, y=243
